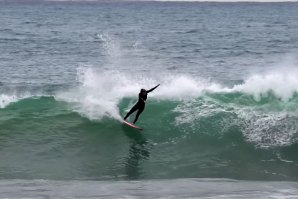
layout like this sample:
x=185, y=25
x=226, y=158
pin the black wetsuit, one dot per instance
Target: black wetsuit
x=140, y=105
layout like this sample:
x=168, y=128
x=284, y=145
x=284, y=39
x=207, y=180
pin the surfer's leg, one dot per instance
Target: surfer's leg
x=133, y=109
x=138, y=113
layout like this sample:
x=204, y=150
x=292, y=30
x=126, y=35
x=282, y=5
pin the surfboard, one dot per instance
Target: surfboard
x=132, y=125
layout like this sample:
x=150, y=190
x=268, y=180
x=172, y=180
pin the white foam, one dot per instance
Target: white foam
x=281, y=80
x=7, y=99
x=178, y=87
x=100, y=92
x=282, y=84
x=268, y=129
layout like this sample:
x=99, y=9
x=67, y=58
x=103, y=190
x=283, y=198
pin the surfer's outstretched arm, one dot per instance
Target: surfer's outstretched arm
x=148, y=91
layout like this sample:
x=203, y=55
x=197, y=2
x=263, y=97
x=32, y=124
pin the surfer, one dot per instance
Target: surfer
x=140, y=105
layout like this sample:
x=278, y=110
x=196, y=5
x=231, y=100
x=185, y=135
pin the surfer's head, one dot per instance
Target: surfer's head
x=143, y=91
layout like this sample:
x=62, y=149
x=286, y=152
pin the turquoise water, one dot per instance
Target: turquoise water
x=226, y=108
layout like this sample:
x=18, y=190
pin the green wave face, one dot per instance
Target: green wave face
x=228, y=135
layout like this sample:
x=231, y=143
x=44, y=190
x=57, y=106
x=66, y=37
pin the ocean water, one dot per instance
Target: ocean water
x=223, y=123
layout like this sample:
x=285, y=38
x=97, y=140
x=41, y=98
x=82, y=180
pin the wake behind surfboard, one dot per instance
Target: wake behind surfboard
x=132, y=125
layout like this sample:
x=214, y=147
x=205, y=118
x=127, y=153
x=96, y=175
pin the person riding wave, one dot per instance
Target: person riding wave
x=140, y=105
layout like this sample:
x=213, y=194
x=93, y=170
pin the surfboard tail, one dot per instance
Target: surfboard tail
x=132, y=125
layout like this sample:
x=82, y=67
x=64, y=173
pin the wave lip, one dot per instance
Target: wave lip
x=283, y=85
x=6, y=99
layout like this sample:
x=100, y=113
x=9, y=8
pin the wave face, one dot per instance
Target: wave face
x=198, y=127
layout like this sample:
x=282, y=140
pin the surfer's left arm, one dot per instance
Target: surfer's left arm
x=148, y=91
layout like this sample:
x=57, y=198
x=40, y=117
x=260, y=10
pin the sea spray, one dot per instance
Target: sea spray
x=7, y=99
x=100, y=92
